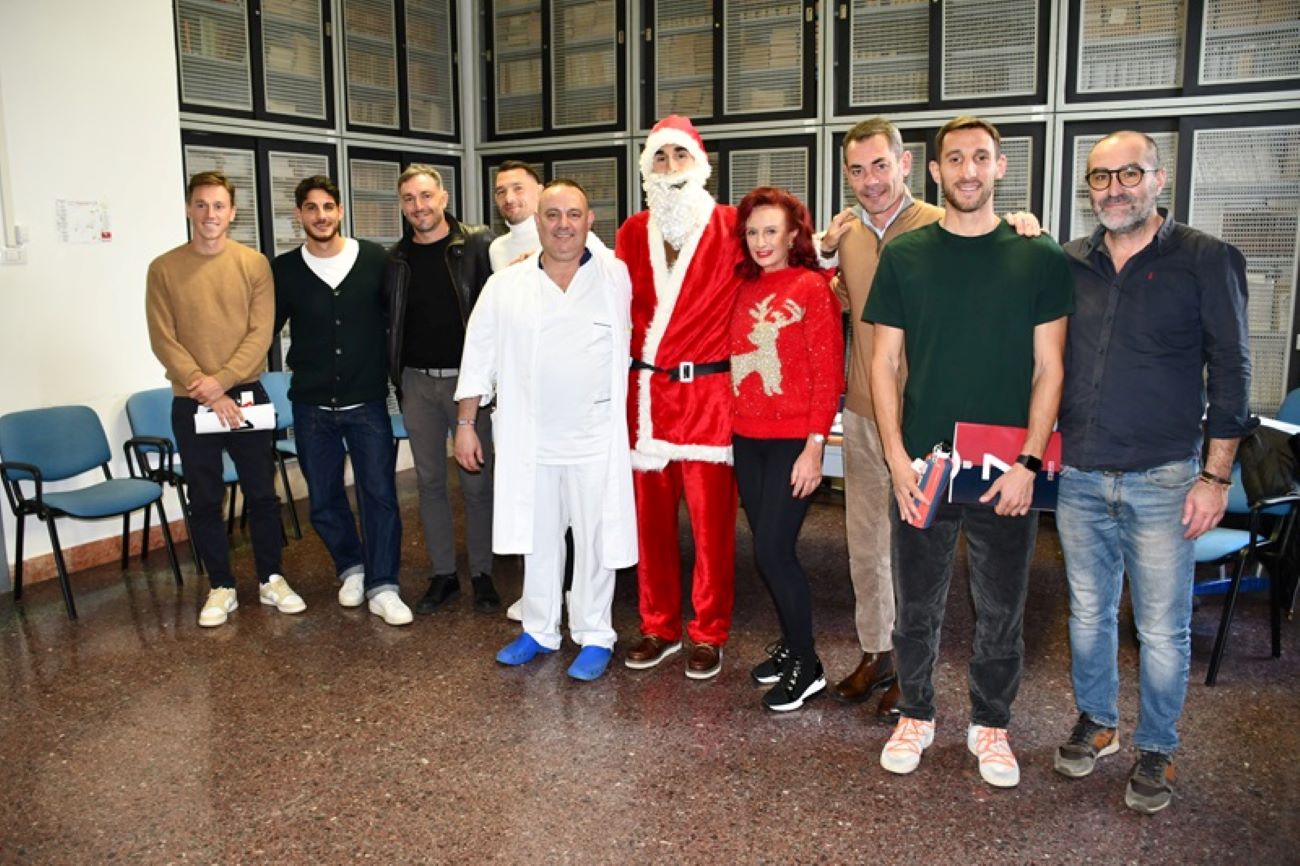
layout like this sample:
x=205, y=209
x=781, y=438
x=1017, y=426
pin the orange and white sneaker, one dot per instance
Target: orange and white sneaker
x=911, y=737
x=998, y=764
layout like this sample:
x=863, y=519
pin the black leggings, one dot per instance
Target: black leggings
x=763, y=468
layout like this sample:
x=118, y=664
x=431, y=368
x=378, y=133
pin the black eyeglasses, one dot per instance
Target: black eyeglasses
x=1129, y=175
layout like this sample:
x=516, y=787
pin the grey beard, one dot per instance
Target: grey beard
x=678, y=212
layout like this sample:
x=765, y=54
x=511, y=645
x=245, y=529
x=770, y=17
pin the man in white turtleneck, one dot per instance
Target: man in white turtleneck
x=516, y=190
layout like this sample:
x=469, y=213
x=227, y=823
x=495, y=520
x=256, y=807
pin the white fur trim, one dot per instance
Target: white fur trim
x=656, y=450
x=642, y=463
x=672, y=135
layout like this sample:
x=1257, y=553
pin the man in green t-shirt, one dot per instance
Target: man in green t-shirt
x=978, y=315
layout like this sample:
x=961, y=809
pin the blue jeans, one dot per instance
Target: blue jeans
x=1110, y=523
x=321, y=435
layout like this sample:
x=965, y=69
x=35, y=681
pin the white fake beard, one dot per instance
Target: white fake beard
x=679, y=205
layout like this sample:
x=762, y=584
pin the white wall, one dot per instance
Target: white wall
x=89, y=95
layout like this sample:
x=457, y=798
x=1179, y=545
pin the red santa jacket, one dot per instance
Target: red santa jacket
x=677, y=316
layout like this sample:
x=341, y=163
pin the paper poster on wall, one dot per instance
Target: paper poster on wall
x=82, y=222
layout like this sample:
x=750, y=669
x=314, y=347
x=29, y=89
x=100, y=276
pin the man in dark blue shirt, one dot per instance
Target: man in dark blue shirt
x=1159, y=331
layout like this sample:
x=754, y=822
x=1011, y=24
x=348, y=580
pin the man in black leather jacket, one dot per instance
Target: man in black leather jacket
x=434, y=276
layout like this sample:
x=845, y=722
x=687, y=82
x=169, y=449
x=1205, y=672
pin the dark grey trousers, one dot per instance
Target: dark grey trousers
x=999, y=550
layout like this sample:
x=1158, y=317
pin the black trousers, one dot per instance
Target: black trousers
x=201, y=462
x=776, y=515
x=998, y=551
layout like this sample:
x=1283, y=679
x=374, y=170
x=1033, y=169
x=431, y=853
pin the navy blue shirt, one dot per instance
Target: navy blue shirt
x=1149, y=347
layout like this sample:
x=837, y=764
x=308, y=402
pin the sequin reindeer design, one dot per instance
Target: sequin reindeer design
x=764, y=360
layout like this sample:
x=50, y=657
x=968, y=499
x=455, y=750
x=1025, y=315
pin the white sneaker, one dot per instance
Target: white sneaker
x=911, y=737
x=998, y=764
x=389, y=605
x=353, y=590
x=221, y=601
x=277, y=593
x=515, y=613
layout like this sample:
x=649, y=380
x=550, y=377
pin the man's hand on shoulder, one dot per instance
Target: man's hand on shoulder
x=840, y=223
x=1025, y=224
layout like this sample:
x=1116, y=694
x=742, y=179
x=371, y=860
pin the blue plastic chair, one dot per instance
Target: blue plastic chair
x=152, y=453
x=276, y=385
x=1245, y=546
x=1289, y=411
x=42, y=445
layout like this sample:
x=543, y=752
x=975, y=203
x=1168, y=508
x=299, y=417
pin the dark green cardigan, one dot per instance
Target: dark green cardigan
x=339, y=336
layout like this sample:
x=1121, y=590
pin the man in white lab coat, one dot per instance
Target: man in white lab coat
x=549, y=339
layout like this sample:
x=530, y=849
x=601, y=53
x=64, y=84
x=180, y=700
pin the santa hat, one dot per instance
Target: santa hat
x=678, y=131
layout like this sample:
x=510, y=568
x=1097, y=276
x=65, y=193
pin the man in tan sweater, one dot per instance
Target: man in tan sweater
x=876, y=167
x=210, y=305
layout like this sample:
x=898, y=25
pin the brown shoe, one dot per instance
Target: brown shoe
x=650, y=651
x=888, y=709
x=874, y=672
x=705, y=661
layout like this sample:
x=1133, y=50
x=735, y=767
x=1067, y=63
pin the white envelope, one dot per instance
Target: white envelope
x=260, y=417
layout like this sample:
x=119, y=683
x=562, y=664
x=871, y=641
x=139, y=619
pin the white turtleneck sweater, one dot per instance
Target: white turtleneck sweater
x=522, y=238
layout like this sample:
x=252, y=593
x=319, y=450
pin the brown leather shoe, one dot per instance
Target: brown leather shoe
x=650, y=651
x=705, y=661
x=874, y=672
x=888, y=709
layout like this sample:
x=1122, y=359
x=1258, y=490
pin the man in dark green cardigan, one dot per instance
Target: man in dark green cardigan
x=330, y=292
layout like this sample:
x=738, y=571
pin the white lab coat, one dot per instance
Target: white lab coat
x=500, y=360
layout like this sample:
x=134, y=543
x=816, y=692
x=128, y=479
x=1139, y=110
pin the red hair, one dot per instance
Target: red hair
x=802, y=253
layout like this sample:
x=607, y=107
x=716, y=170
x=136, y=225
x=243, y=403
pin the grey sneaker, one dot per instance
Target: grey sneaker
x=1088, y=742
x=1151, y=784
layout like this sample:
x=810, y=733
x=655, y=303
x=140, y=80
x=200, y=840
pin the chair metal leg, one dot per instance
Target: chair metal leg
x=230, y=515
x=1225, y=622
x=126, y=538
x=189, y=530
x=167, y=541
x=18, y=558
x=288, y=495
x=1275, y=612
x=63, y=569
x=144, y=538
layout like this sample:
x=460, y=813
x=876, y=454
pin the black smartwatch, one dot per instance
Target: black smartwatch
x=1030, y=462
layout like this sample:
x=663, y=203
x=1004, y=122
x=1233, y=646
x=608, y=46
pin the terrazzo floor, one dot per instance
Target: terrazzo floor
x=134, y=736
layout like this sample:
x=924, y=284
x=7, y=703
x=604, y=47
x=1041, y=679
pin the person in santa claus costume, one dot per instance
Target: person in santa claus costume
x=681, y=254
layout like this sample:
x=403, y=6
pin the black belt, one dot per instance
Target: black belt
x=686, y=371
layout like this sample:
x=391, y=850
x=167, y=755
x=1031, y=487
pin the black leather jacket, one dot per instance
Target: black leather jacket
x=469, y=266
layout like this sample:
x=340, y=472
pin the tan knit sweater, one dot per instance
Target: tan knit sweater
x=210, y=315
x=860, y=252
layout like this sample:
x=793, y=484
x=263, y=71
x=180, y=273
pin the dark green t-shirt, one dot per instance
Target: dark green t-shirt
x=969, y=307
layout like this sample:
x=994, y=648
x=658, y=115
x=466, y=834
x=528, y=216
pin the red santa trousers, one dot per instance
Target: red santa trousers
x=710, y=491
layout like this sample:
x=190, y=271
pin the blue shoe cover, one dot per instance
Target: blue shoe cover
x=590, y=663
x=521, y=650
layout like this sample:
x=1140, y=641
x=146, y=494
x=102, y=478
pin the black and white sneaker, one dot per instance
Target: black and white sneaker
x=768, y=671
x=800, y=680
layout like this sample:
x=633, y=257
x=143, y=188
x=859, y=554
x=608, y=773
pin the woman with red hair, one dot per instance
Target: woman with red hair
x=787, y=373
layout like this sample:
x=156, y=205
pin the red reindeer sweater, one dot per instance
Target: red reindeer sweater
x=787, y=355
